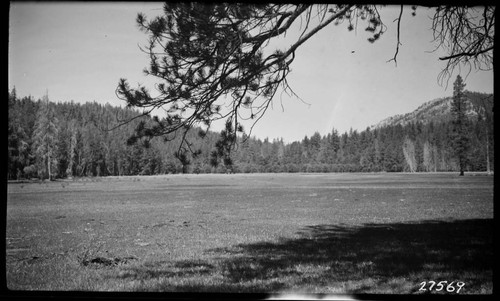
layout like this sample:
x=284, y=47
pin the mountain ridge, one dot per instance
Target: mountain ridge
x=438, y=109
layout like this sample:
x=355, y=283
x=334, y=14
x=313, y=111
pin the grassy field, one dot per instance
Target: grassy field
x=308, y=233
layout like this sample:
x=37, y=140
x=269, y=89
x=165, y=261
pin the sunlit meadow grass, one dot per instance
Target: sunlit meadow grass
x=311, y=233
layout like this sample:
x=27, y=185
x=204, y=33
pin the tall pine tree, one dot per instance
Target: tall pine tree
x=460, y=138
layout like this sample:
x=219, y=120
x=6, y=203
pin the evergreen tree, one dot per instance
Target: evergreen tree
x=71, y=148
x=45, y=135
x=223, y=147
x=18, y=142
x=184, y=159
x=459, y=134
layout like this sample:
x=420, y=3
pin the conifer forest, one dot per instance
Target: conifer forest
x=68, y=139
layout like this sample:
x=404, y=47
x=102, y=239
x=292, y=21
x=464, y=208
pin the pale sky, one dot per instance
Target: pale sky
x=79, y=51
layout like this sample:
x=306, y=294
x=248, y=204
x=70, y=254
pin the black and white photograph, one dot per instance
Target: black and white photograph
x=280, y=150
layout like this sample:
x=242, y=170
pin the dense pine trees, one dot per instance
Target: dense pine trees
x=61, y=140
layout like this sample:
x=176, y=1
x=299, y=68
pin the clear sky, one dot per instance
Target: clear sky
x=79, y=51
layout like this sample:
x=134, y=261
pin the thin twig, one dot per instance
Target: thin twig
x=398, y=35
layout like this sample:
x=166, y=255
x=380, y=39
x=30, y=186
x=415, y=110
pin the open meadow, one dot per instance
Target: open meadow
x=310, y=233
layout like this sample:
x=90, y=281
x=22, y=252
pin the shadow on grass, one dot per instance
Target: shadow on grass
x=372, y=258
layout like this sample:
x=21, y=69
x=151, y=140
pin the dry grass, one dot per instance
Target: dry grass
x=322, y=233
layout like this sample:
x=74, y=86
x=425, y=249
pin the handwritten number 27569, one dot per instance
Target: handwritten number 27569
x=439, y=286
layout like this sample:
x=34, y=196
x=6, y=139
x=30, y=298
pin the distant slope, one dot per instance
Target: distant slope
x=439, y=110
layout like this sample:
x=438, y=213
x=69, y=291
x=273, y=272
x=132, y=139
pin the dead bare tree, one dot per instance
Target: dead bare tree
x=467, y=34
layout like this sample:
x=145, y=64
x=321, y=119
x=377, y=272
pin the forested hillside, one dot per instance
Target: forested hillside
x=61, y=140
x=440, y=110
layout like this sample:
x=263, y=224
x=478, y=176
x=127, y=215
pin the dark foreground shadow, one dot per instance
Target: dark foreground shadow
x=373, y=258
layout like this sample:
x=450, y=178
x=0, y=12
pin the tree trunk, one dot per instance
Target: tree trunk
x=48, y=166
x=487, y=154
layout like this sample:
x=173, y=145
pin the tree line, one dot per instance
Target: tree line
x=68, y=139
